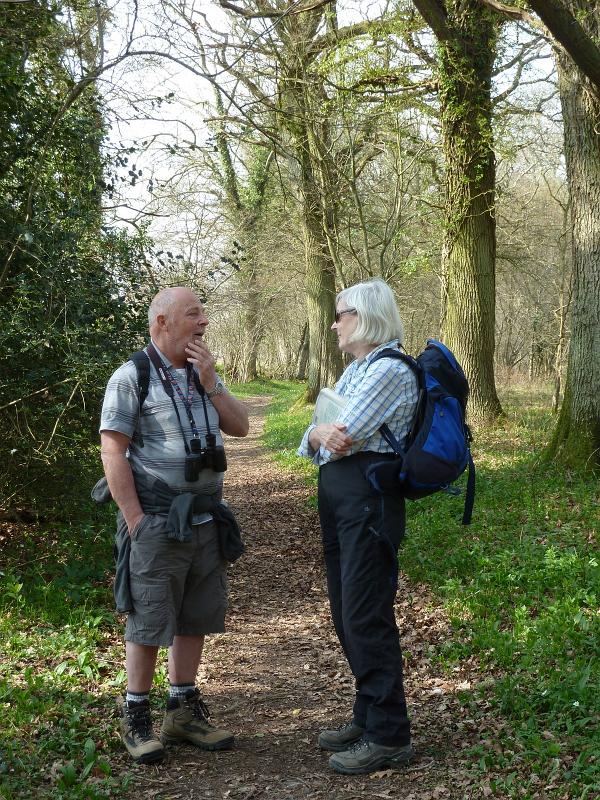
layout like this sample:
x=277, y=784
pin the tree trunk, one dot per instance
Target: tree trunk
x=564, y=302
x=253, y=326
x=324, y=360
x=468, y=262
x=302, y=357
x=576, y=440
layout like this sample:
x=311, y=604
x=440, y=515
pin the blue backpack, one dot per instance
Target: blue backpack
x=437, y=448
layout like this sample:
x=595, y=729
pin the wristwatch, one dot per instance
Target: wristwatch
x=218, y=388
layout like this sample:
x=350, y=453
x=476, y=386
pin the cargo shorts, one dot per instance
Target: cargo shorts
x=177, y=588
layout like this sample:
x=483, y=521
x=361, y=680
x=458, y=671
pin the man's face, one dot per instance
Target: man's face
x=185, y=320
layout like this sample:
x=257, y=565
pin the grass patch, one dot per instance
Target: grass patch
x=286, y=421
x=259, y=386
x=521, y=586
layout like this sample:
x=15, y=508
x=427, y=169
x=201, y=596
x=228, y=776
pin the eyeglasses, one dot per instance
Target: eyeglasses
x=339, y=314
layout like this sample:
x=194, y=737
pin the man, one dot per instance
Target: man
x=176, y=576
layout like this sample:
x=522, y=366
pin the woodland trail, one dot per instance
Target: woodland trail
x=278, y=675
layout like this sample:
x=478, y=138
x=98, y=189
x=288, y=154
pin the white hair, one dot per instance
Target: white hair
x=378, y=317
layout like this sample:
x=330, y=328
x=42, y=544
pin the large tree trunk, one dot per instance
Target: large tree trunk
x=316, y=207
x=324, y=359
x=468, y=302
x=576, y=440
x=564, y=303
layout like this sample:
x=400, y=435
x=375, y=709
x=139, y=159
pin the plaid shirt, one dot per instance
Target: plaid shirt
x=386, y=392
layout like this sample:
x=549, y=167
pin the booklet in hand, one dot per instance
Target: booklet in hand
x=328, y=406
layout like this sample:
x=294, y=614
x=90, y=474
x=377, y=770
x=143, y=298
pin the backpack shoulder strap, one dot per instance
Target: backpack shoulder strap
x=414, y=365
x=142, y=365
x=393, y=352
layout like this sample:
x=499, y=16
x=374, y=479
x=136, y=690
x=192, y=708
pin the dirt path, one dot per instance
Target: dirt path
x=278, y=675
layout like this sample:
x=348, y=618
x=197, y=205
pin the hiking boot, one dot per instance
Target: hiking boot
x=337, y=739
x=366, y=756
x=136, y=732
x=186, y=720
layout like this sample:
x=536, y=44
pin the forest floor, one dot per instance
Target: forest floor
x=278, y=675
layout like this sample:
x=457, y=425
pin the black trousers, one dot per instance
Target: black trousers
x=361, y=533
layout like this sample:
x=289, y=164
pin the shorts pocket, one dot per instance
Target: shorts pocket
x=149, y=605
x=146, y=519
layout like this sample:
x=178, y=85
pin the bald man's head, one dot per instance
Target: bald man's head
x=176, y=317
x=166, y=299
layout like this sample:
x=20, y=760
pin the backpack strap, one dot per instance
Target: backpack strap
x=142, y=366
x=394, y=352
x=470, y=493
x=385, y=431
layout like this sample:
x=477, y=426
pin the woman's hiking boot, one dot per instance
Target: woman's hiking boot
x=336, y=739
x=187, y=720
x=366, y=756
x=136, y=732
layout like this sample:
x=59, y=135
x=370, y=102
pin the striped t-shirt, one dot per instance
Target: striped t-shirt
x=163, y=452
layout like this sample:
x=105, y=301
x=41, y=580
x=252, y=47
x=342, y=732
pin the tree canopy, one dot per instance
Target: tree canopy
x=334, y=146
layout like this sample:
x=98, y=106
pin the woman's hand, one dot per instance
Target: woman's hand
x=332, y=436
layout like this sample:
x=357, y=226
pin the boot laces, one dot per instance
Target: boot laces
x=361, y=744
x=140, y=722
x=199, y=708
x=345, y=727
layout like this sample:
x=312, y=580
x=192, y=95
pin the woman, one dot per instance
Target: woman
x=362, y=529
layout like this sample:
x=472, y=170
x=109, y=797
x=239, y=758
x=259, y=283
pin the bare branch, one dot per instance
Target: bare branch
x=512, y=12
x=336, y=37
x=39, y=391
x=272, y=13
x=517, y=81
x=532, y=44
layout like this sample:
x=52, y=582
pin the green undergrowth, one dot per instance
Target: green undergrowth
x=521, y=585
x=61, y=661
x=57, y=662
x=287, y=418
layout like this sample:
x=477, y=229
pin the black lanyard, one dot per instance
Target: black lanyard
x=168, y=380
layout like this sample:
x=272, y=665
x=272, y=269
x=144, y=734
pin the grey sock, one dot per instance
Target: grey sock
x=136, y=697
x=180, y=689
